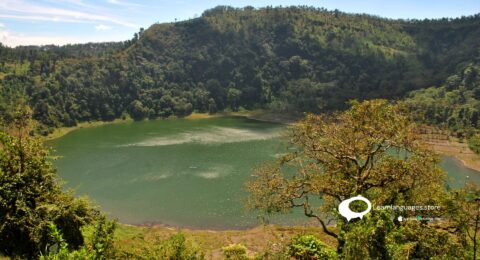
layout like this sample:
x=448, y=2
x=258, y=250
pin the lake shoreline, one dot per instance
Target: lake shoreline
x=62, y=131
x=455, y=149
x=259, y=115
x=305, y=222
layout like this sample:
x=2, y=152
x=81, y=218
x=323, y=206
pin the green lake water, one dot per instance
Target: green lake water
x=179, y=172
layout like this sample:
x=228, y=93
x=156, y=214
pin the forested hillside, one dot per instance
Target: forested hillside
x=287, y=59
x=455, y=104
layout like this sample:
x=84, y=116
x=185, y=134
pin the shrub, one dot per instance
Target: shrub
x=31, y=198
x=174, y=247
x=268, y=255
x=235, y=251
x=58, y=249
x=474, y=143
x=309, y=247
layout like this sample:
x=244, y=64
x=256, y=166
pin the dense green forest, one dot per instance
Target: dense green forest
x=292, y=59
x=454, y=104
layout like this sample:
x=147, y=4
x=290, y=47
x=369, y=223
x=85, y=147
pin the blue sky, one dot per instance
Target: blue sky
x=26, y=22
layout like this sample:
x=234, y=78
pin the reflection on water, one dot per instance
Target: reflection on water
x=210, y=135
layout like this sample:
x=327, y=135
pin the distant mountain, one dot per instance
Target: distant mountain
x=286, y=59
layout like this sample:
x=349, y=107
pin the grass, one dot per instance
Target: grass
x=259, y=239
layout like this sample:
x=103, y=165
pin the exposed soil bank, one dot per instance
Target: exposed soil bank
x=61, y=131
x=458, y=150
x=260, y=115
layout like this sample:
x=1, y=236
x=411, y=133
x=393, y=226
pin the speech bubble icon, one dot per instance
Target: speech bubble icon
x=345, y=211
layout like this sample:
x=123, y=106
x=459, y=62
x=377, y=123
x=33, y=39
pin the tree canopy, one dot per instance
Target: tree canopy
x=31, y=198
x=371, y=150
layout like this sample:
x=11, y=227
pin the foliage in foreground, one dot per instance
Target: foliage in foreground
x=309, y=247
x=175, y=246
x=235, y=251
x=474, y=143
x=38, y=219
x=31, y=199
x=100, y=247
x=378, y=236
x=360, y=151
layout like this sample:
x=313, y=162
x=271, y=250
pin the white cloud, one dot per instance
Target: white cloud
x=82, y=4
x=102, y=27
x=78, y=12
x=39, y=18
x=122, y=3
x=13, y=39
x=3, y=33
x=3, y=37
x=28, y=11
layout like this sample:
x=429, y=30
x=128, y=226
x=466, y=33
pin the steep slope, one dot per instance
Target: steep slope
x=288, y=59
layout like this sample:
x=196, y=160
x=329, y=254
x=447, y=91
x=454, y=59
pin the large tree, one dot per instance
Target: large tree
x=31, y=199
x=370, y=150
